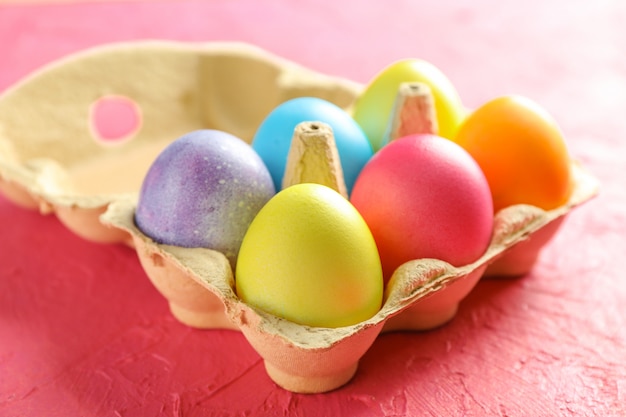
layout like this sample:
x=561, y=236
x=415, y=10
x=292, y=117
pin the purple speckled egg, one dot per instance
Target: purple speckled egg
x=203, y=190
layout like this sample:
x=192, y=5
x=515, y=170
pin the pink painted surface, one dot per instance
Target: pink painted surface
x=114, y=118
x=83, y=332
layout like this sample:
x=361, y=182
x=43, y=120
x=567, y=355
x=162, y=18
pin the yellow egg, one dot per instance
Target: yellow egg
x=310, y=258
x=372, y=109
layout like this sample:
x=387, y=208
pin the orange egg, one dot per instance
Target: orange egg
x=521, y=151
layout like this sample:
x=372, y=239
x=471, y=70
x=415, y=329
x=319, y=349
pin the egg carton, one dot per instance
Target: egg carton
x=54, y=159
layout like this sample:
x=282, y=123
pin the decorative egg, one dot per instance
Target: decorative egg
x=309, y=257
x=273, y=137
x=522, y=152
x=423, y=196
x=203, y=190
x=372, y=109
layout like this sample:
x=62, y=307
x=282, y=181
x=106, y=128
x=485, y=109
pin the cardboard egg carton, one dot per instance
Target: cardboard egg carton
x=54, y=160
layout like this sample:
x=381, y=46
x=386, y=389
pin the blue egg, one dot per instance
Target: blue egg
x=273, y=138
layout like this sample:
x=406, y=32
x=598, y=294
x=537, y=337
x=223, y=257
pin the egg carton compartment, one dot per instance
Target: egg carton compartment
x=422, y=294
x=56, y=158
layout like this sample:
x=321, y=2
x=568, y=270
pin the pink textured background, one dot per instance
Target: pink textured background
x=83, y=333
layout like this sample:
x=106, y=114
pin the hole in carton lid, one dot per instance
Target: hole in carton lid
x=114, y=118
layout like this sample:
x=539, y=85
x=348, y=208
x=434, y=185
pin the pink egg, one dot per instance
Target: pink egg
x=424, y=196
